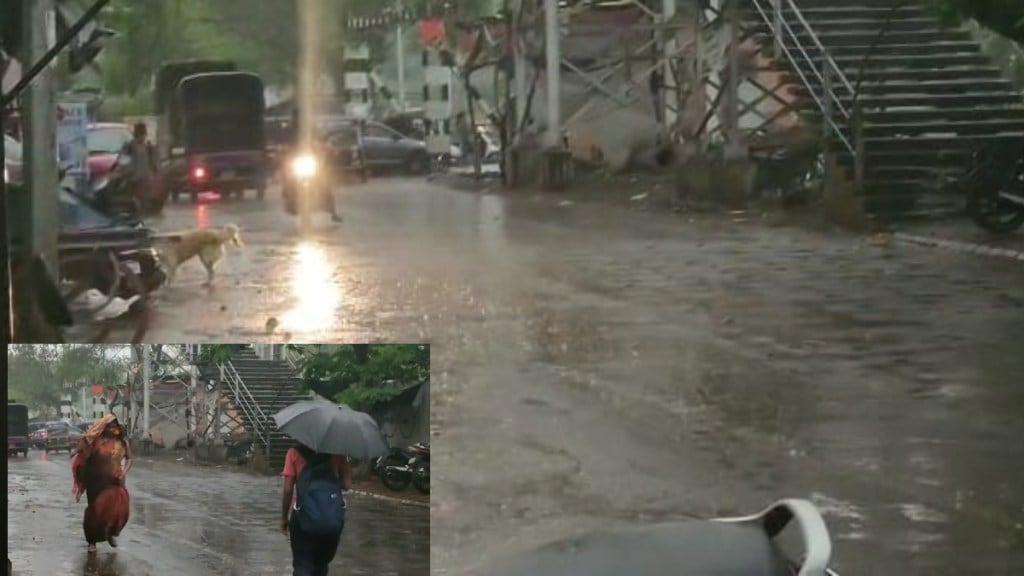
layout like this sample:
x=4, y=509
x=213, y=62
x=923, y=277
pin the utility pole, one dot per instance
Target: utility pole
x=669, y=84
x=400, y=55
x=145, y=392
x=519, y=70
x=40, y=30
x=553, y=64
x=730, y=103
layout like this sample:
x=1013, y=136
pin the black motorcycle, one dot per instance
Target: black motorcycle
x=415, y=470
x=995, y=196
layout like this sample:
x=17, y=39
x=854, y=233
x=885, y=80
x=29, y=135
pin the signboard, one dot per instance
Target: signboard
x=97, y=389
x=72, y=131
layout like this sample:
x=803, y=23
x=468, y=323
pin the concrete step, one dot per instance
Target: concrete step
x=883, y=75
x=850, y=62
x=912, y=172
x=804, y=4
x=893, y=101
x=872, y=25
x=938, y=157
x=833, y=40
x=927, y=89
x=939, y=50
x=935, y=142
x=945, y=114
x=999, y=126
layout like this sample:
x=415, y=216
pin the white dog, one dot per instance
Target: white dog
x=207, y=244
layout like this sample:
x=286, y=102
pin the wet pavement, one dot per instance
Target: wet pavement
x=595, y=366
x=196, y=521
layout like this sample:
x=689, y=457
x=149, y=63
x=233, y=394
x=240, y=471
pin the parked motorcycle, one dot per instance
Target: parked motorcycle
x=752, y=545
x=995, y=197
x=415, y=470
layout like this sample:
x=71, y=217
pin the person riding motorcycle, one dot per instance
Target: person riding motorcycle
x=318, y=148
x=142, y=168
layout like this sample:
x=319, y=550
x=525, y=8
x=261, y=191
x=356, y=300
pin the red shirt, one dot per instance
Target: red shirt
x=294, y=463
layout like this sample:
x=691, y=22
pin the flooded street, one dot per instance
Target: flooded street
x=193, y=520
x=595, y=366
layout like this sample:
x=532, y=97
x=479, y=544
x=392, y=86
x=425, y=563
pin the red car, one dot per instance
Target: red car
x=105, y=141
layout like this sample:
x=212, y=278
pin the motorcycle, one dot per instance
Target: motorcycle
x=757, y=545
x=415, y=471
x=995, y=198
x=304, y=186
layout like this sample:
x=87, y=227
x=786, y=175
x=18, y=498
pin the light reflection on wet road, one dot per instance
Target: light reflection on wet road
x=195, y=521
x=595, y=366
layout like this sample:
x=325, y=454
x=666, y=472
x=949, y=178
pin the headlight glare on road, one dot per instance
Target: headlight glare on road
x=304, y=166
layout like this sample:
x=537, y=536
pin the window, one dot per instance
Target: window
x=343, y=138
x=107, y=140
x=12, y=149
x=375, y=131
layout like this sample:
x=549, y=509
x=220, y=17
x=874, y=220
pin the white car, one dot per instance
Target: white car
x=13, y=159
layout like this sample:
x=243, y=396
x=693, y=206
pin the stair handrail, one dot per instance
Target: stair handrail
x=247, y=402
x=830, y=72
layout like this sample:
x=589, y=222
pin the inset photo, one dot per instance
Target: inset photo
x=138, y=460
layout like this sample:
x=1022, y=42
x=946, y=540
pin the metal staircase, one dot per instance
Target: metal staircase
x=259, y=389
x=905, y=99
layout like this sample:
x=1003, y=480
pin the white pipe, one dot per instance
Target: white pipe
x=553, y=64
x=145, y=391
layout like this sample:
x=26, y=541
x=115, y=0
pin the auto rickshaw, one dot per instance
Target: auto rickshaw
x=223, y=138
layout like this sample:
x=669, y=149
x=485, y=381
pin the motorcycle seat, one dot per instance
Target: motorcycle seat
x=695, y=548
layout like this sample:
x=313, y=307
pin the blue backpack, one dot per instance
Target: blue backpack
x=319, y=505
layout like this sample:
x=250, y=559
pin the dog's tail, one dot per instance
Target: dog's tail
x=234, y=233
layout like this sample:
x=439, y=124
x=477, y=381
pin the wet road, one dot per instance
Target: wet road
x=196, y=521
x=595, y=366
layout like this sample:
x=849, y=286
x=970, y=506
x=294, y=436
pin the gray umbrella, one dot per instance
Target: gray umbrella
x=332, y=429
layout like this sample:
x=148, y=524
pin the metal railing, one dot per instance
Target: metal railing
x=247, y=403
x=824, y=79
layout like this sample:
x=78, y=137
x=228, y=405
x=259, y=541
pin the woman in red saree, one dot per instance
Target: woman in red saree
x=99, y=474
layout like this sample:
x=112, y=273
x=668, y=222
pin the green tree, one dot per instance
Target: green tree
x=362, y=375
x=37, y=373
x=218, y=353
x=1003, y=16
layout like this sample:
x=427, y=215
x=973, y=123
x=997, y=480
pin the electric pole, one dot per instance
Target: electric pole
x=145, y=392
x=553, y=63
x=669, y=83
x=40, y=144
x=400, y=55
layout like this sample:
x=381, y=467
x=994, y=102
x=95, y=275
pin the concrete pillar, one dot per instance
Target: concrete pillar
x=670, y=93
x=553, y=80
x=437, y=101
x=40, y=143
x=145, y=391
x=356, y=89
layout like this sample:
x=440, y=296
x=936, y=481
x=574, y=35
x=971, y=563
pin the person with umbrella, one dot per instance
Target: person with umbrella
x=316, y=474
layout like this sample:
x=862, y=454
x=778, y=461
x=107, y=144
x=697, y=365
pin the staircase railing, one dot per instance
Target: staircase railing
x=824, y=79
x=247, y=403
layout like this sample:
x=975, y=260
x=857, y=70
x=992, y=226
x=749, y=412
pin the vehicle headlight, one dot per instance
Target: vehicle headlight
x=304, y=166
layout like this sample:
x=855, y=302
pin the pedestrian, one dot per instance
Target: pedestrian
x=102, y=461
x=143, y=163
x=313, y=507
x=464, y=134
